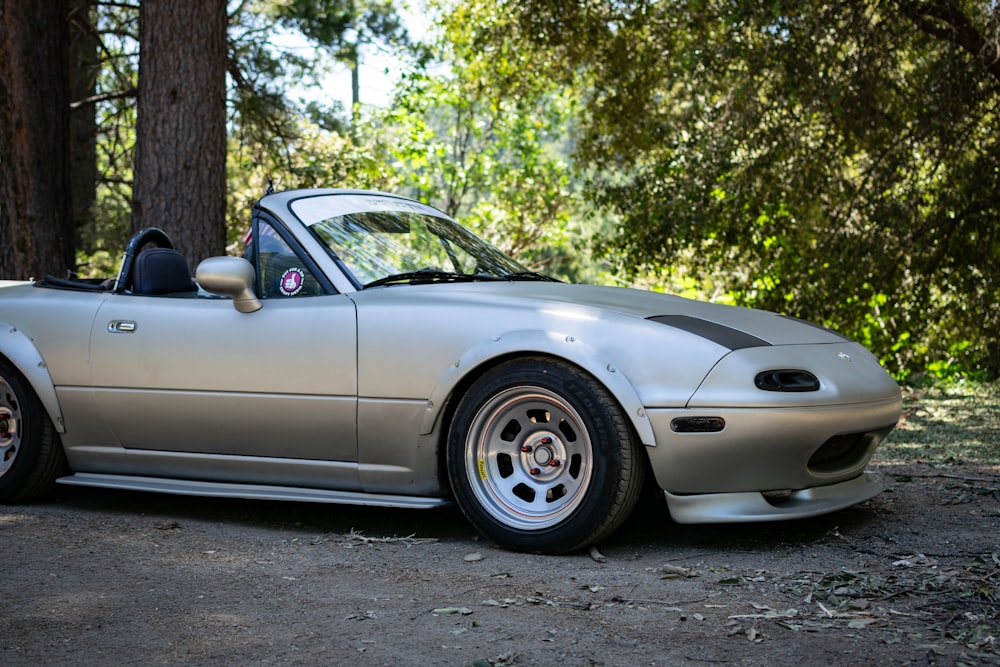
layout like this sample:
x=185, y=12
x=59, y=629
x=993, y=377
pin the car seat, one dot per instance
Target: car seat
x=161, y=271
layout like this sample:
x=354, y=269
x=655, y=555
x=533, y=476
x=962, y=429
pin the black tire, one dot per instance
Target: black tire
x=31, y=456
x=541, y=457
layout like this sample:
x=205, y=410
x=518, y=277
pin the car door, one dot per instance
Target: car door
x=191, y=374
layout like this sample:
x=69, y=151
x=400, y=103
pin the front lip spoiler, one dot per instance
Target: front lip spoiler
x=745, y=507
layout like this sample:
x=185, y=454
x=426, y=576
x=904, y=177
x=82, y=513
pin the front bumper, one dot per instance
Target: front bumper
x=767, y=449
x=752, y=506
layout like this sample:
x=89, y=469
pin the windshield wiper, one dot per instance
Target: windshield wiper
x=531, y=275
x=426, y=276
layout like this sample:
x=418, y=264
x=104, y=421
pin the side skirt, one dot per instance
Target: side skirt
x=185, y=487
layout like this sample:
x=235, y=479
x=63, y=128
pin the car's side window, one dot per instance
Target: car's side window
x=281, y=272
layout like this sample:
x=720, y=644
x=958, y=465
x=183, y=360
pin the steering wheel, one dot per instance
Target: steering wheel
x=149, y=236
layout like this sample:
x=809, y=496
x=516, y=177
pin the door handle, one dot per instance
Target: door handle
x=121, y=326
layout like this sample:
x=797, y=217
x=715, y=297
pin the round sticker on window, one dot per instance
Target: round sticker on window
x=291, y=282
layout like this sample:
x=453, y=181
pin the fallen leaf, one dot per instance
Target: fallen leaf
x=770, y=613
x=441, y=611
x=678, y=571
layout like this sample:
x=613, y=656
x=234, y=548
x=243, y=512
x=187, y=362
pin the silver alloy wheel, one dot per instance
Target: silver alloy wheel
x=529, y=458
x=10, y=420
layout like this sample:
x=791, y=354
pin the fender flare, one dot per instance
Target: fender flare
x=549, y=343
x=20, y=350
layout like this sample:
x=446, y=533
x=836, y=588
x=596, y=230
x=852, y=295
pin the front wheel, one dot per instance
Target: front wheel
x=31, y=457
x=541, y=457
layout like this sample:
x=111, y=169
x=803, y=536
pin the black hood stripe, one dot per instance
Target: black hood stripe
x=717, y=333
x=817, y=326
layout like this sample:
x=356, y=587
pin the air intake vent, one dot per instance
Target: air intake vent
x=697, y=424
x=786, y=380
x=842, y=452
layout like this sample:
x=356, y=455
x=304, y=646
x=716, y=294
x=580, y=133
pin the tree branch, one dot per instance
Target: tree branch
x=944, y=20
x=103, y=97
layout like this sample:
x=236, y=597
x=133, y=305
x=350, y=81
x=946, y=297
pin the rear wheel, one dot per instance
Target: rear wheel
x=541, y=457
x=31, y=457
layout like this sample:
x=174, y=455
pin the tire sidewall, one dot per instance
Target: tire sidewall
x=18, y=476
x=583, y=394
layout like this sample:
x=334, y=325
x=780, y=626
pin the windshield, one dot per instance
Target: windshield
x=383, y=240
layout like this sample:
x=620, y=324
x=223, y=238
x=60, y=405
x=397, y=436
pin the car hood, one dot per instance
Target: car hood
x=665, y=346
x=769, y=327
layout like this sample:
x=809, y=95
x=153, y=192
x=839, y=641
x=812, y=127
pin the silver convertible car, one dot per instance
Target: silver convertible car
x=369, y=350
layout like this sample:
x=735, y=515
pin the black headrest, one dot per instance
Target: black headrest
x=161, y=271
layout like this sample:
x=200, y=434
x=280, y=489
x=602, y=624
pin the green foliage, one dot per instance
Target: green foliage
x=270, y=136
x=336, y=24
x=485, y=144
x=318, y=158
x=99, y=242
x=839, y=162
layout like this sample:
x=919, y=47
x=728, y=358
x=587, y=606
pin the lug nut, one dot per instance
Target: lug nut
x=527, y=449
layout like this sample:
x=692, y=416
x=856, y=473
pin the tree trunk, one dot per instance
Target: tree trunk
x=180, y=162
x=35, y=224
x=83, y=71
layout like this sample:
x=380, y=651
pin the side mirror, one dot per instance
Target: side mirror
x=230, y=276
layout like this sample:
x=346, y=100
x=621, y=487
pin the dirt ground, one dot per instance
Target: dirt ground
x=117, y=578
